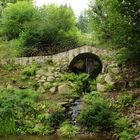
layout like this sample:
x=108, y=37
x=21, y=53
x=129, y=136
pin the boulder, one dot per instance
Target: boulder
x=43, y=78
x=55, y=84
x=101, y=88
x=9, y=87
x=38, y=76
x=53, y=90
x=109, y=79
x=49, y=74
x=51, y=69
x=137, y=137
x=41, y=81
x=50, y=79
x=64, y=88
x=41, y=90
x=41, y=72
x=115, y=70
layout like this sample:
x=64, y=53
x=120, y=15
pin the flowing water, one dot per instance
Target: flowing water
x=75, y=110
x=51, y=138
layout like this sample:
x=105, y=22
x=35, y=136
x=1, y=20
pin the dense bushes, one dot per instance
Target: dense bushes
x=15, y=107
x=97, y=115
x=21, y=113
x=80, y=82
x=39, y=30
x=123, y=129
x=55, y=118
x=100, y=115
x=115, y=23
x=68, y=130
x=15, y=16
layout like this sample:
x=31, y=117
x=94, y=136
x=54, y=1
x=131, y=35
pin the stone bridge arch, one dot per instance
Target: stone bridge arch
x=67, y=57
x=106, y=56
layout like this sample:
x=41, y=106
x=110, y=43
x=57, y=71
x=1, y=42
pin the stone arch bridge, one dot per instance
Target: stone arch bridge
x=106, y=56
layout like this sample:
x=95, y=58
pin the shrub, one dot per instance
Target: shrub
x=55, y=118
x=124, y=55
x=53, y=27
x=109, y=87
x=29, y=70
x=41, y=129
x=80, y=82
x=17, y=109
x=126, y=135
x=123, y=129
x=122, y=123
x=9, y=67
x=7, y=127
x=97, y=114
x=15, y=16
x=93, y=85
x=124, y=101
x=68, y=130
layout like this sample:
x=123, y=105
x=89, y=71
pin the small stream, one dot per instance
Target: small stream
x=75, y=110
x=51, y=138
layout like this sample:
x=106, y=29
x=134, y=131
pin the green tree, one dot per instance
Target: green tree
x=117, y=22
x=14, y=17
x=82, y=22
x=55, y=27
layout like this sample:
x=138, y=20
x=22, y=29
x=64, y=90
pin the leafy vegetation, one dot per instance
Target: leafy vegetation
x=116, y=22
x=55, y=118
x=97, y=115
x=80, y=81
x=28, y=30
x=38, y=30
x=15, y=107
x=29, y=70
x=124, y=101
x=68, y=130
x=123, y=128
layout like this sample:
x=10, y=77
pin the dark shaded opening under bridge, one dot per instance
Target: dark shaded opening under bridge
x=86, y=63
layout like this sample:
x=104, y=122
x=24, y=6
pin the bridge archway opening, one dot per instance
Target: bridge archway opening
x=86, y=63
